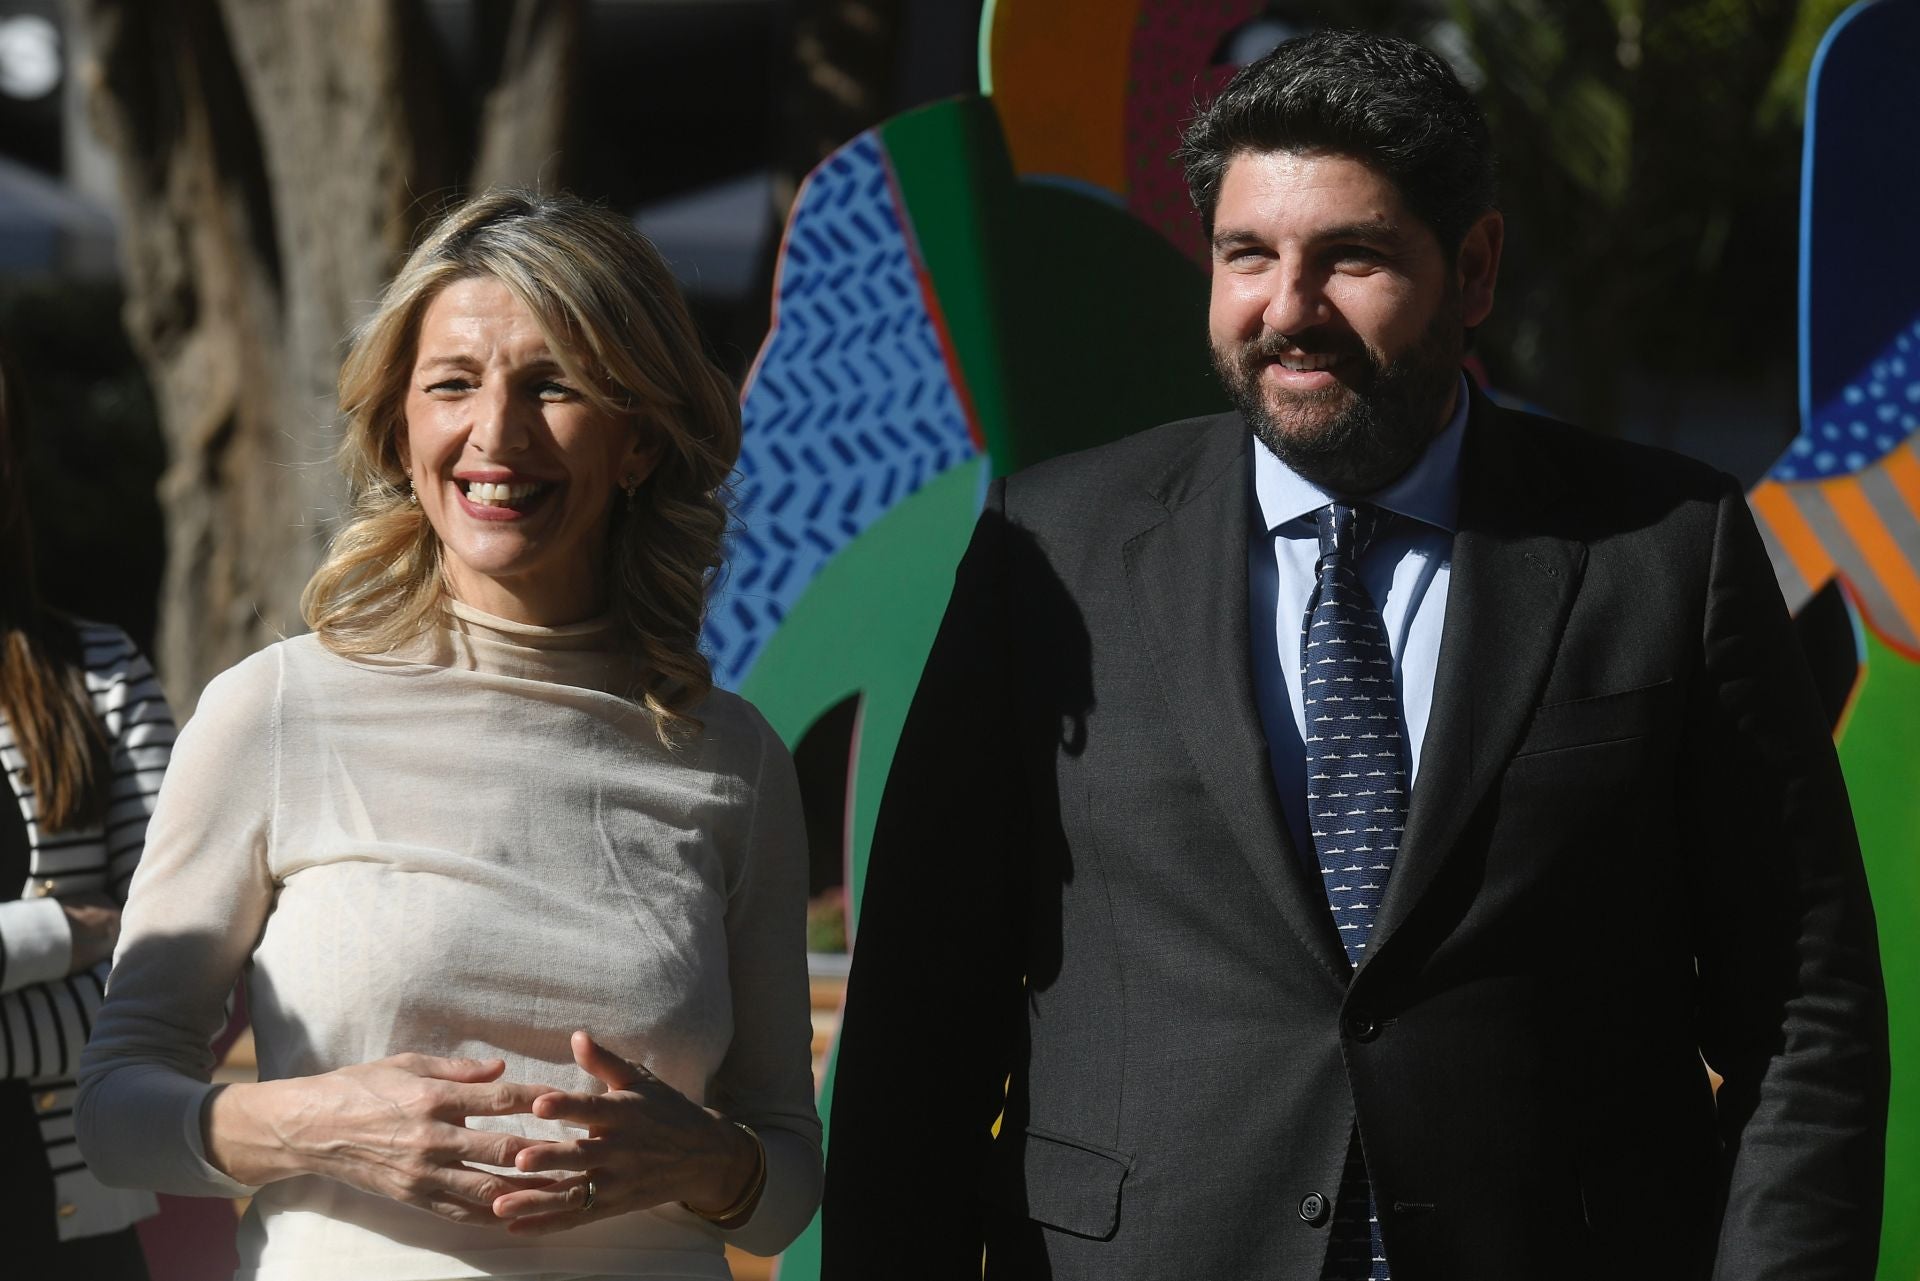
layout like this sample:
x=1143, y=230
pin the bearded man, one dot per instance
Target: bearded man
x=1335, y=839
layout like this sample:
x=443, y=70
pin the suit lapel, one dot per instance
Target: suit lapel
x=1511, y=588
x=1188, y=577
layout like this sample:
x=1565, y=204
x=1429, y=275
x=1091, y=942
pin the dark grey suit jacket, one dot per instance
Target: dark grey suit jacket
x=1629, y=846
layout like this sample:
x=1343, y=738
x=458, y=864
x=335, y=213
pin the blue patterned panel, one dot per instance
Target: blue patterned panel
x=1872, y=415
x=850, y=410
x=1859, y=254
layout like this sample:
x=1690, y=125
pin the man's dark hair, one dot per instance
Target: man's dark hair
x=1379, y=99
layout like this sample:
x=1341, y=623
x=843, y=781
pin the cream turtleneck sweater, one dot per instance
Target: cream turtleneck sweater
x=469, y=849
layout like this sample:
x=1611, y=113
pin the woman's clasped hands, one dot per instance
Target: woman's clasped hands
x=397, y=1128
x=646, y=1144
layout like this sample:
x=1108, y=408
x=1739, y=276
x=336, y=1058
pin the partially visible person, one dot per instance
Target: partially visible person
x=520, y=896
x=84, y=738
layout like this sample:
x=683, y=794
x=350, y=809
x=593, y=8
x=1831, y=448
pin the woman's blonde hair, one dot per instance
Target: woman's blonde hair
x=617, y=325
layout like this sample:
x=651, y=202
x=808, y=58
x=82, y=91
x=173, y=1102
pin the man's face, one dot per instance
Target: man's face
x=1337, y=321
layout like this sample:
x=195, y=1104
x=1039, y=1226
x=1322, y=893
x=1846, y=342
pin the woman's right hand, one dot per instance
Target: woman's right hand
x=395, y=1127
x=93, y=922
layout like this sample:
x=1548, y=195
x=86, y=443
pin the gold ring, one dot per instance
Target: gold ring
x=592, y=1195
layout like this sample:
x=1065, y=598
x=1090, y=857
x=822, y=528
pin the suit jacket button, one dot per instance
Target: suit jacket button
x=1315, y=1210
x=68, y=1210
x=1362, y=1028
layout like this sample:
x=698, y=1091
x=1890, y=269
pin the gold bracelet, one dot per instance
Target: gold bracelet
x=748, y=1199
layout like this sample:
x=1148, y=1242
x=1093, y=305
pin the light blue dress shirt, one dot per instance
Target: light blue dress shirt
x=1405, y=571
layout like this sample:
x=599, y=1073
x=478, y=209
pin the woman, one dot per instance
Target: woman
x=84, y=737
x=520, y=897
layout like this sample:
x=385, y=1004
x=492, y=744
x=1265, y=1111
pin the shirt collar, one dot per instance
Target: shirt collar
x=1428, y=491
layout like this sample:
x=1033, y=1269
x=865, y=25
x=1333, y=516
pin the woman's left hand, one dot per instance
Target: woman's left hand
x=646, y=1144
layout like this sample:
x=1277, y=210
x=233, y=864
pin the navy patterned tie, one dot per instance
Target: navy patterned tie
x=1356, y=800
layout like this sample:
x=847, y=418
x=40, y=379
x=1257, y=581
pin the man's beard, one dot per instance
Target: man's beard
x=1391, y=412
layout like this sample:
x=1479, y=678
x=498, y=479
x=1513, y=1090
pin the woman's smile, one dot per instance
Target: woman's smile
x=503, y=499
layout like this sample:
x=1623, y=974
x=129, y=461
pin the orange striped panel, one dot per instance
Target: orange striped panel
x=1884, y=557
x=1773, y=504
x=1902, y=467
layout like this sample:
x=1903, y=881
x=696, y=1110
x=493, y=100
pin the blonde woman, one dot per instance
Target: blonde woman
x=519, y=896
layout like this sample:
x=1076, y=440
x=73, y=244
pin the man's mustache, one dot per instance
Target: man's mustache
x=1272, y=346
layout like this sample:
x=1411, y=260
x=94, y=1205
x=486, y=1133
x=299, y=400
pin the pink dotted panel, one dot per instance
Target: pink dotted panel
x=1172, y=75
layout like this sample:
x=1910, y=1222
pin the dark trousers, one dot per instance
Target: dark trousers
x=29, y=1229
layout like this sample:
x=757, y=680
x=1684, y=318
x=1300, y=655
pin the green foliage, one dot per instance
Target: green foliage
x=827, y=922
x=1786, y=97
x=1650, y=183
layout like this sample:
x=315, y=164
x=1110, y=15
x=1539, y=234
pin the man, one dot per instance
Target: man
x=1329, y=837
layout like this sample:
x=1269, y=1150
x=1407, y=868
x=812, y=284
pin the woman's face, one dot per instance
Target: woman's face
x=516, y=470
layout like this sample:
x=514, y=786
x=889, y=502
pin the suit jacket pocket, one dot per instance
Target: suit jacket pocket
x=1066, y=1184
x=1591, y=722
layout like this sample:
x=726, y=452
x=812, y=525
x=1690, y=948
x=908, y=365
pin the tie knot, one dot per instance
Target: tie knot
x=1348, y=529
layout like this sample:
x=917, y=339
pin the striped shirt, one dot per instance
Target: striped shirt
x=45, y=1013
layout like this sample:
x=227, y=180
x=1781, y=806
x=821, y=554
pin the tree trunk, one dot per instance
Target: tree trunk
x=844, y=55
x=276, y=158
x=525, y=115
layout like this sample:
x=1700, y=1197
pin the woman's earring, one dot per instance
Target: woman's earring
x=631, y=487
x=411, y=496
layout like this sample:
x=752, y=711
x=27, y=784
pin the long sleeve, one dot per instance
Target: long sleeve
x=35, y=943
x=198, y=902
x=933, y=1004
x=47, y=1014
x=766, y=1079
x=1793, y=1011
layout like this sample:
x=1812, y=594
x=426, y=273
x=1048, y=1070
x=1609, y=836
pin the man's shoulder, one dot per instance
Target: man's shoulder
x=1586, y=447
x=1144, y=466
x=1603, y=472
